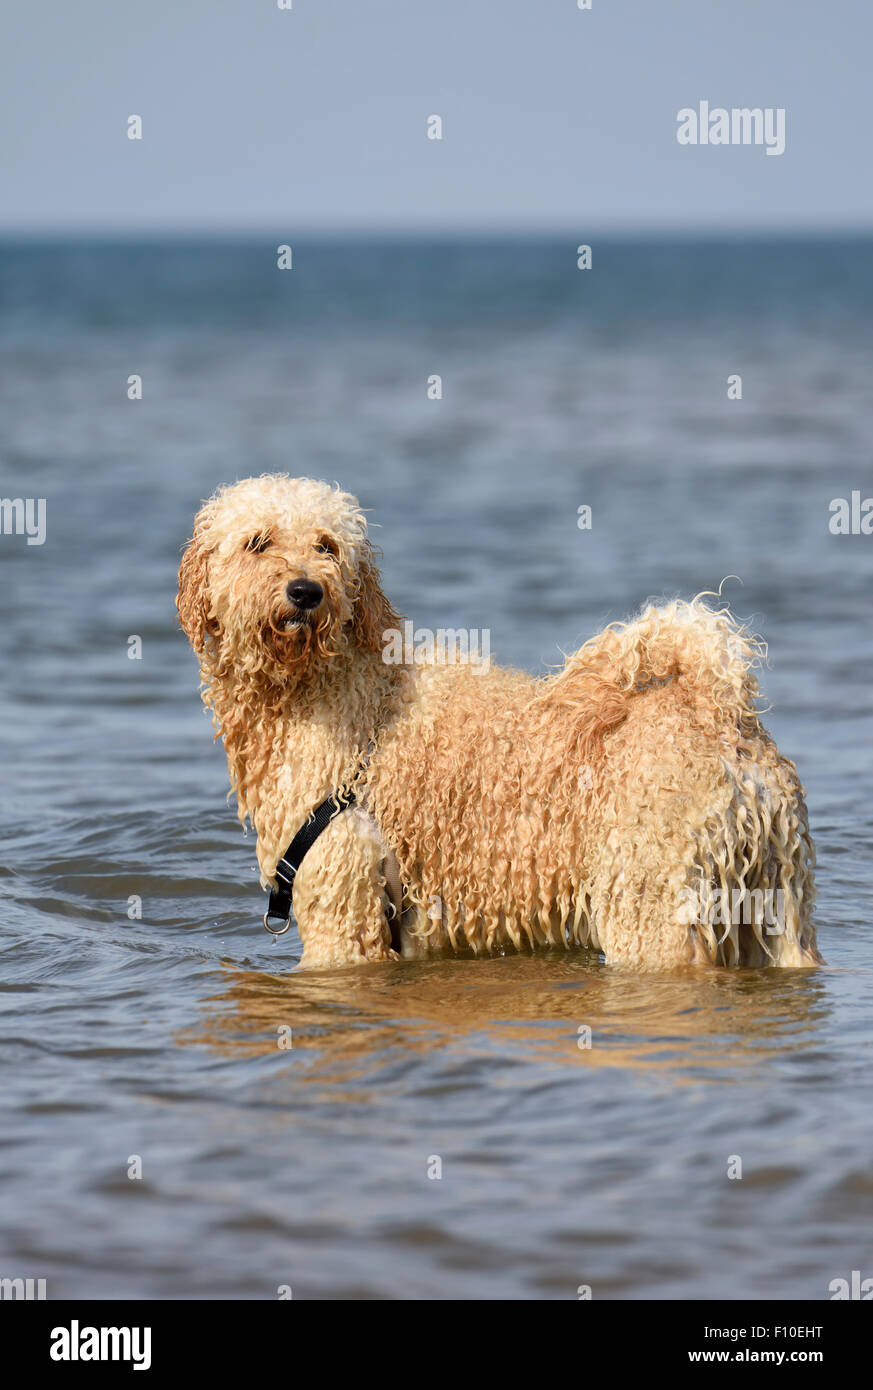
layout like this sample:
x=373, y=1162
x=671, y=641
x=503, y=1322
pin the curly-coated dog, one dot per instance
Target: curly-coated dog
x=631, y=801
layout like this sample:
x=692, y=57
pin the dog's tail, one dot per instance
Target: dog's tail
x=705, y=650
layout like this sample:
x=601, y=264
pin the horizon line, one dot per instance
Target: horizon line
x=477, y=232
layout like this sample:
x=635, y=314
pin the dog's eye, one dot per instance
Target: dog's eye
x=326, y=546
x=258, y=544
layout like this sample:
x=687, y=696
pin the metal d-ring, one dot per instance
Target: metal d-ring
x=282, y=930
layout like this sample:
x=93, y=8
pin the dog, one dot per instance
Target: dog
x=631, y=801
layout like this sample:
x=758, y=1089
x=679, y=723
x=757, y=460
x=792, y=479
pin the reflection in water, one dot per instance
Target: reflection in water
x=352, y=1023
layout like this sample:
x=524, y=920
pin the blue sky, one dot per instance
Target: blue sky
x=314, y=119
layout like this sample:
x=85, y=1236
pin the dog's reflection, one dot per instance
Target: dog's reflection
x=564, y=1008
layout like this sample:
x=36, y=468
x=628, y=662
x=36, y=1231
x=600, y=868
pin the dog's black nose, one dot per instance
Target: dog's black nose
x=305, y=593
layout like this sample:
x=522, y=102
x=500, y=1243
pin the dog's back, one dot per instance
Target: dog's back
x=631, y=802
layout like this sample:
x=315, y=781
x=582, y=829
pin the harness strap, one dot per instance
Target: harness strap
x=286, y=869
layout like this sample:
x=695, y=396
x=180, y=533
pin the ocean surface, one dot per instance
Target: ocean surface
x=157, y=1038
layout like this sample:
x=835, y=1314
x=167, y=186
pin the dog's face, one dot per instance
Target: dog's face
x=279, y=574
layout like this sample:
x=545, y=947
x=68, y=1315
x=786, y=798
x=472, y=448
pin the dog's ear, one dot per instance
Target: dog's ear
x=373, y=613
x=192, y=600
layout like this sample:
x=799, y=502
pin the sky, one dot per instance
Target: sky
x=315, y=119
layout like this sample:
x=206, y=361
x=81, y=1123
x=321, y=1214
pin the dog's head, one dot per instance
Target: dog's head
x=279, y=574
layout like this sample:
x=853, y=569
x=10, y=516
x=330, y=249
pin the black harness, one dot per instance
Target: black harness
x=286, y=869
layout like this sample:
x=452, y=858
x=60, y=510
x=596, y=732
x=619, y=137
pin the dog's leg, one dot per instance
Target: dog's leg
x=767, y=871
x=342, y=900
x=639, y=916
